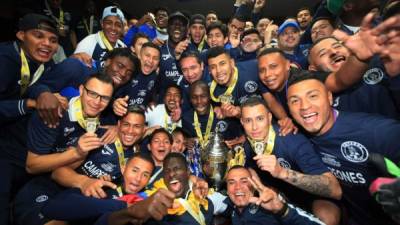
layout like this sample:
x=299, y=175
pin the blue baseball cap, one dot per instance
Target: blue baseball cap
x=287, y=24
x=113, y=11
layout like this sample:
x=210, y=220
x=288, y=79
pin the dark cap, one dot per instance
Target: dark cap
x=179, y=15
x=197, y=19
x=249, y=31
x=36, y=21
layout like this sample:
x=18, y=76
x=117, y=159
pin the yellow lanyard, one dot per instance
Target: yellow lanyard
x=105, y=41
x=26, y=73
x=266, y=150
x=201, y=45
x=89, y=29
x=121, y=155
x=199, y=217
x=169, y=126
x=203, y=140
x=228, y=91
x=77, y=111
x=119, y=191
x=61, y=18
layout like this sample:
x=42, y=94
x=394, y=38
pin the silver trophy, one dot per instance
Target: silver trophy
x=214, y=160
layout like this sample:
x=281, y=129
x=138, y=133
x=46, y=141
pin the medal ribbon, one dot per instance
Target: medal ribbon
x=270, y=142
x=76, y=108
x=26, y=73
x=203, y=140
x=228, y=91
x=201, y=44
x=89, y=29
x=169, y=126
x=105, y=41
x=121, y=155
x=199, y=217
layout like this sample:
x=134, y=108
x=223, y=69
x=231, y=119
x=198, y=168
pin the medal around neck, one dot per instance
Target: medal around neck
x=214, y=160
x=226, y=99
x=259, y=147
x=91, y=125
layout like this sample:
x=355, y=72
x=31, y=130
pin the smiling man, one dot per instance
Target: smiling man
x=167, y=115
x=344, y=141
x=97, y=45
x=140, y=89
x=267, y=208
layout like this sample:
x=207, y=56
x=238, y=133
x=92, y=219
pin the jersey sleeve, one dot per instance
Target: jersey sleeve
x=297, y=216
x=305, y=156
x=40, y=137
x=87, y=45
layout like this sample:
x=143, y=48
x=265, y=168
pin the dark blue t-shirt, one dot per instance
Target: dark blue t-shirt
x=247, y=85
x=139, y=90
x=230, y=128
x=345, y=149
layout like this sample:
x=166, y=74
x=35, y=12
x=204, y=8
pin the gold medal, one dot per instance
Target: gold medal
x=91, y=125
x=226, y=99
x=259, y=147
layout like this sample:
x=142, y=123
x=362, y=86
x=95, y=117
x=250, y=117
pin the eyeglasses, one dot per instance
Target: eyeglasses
x=95, y=95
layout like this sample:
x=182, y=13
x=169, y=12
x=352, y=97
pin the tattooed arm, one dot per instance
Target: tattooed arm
x=324, y=184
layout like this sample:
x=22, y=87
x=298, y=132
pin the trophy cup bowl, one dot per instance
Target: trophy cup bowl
x=214, y=160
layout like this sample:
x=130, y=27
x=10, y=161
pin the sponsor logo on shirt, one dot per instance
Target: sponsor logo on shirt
x=171, y=73
x=330, y=159
x=165, y=56
x=42, y=198
x=72, y=141
x=354, y=151
x=108, y=167
x=142, y=93
x=250, y=86
x=137, y=101
x=150, y=85
x=107, y=150
x=92, y=170
x=221, y=126
x=348, y=176
x=373, y=76
x=134, y=83
x=284, y=163
x=68, y=130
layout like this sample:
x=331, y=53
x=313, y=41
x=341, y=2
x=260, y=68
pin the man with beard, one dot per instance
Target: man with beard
x=139, y=91
x=97, y=45
x=171, y=51
x=285, y=162
x=371, y=94
x=303, y=18
x=345, y=141
x=102, y=167
x=167, y=115
x=22, y=63
x=267, y=208
x=321, y=27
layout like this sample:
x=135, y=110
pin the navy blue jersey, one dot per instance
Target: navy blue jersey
x=230, y=128
x=12, y=104
x=185, y=89
x=239, y=55
x=247, y=85
x=139, y=90
x=104, y=161
x=170, y=72
x=345, y=149
x=94, y=46
x=299, y=57
x=256, y=215
x=295, y=152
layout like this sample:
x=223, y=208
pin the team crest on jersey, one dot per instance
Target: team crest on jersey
x=354, y=151
x=285, y=164
x=71, y=141
x=68, y=130
x=134, y=83
x=253, y=208
x=41, y=198
x=250, y=86
x=373, y=76
x=150, y=85
x=142, y=93
x=221, y=126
